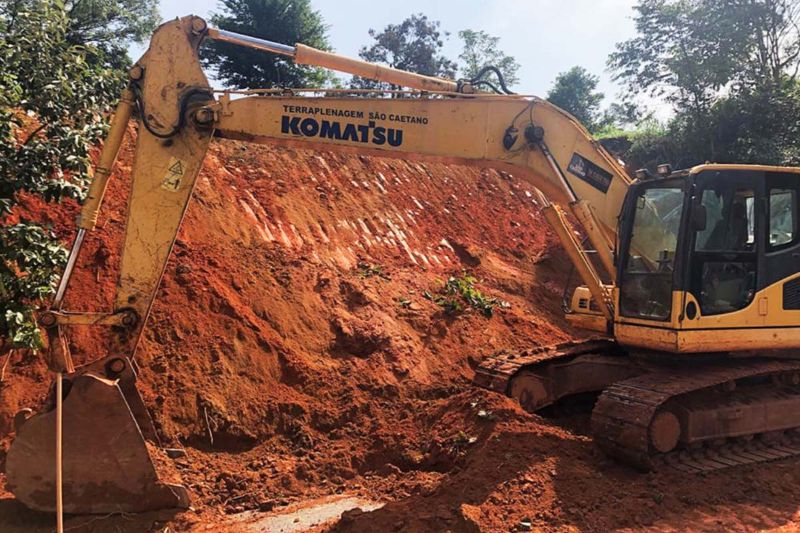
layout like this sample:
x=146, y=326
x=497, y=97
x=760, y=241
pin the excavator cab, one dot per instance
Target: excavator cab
x=702, y=371
x=707, y=260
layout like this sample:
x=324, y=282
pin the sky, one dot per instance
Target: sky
x=545, y=36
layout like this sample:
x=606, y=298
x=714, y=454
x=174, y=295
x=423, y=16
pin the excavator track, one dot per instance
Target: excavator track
x=702, y=417
x=540, y=377
x=497, y=371
x=694, y=416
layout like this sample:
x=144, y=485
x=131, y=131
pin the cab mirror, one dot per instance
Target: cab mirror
x=699, y=221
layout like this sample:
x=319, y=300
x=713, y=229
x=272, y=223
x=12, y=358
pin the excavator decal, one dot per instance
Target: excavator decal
x=323, y=111
x=328, y=129
x=590, y=173
x=174, y=175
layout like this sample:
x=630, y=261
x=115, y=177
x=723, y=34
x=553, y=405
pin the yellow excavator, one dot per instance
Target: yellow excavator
x=695, y=324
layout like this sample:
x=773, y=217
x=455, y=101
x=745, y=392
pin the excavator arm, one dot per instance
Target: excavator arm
x=178, y=115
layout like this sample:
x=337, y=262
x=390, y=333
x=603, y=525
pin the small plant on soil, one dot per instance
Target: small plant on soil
x=366, y=270
x=460, y=293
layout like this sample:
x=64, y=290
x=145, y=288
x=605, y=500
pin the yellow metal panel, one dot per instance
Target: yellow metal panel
x=753, y=315
x=164, y=170
x=704, y=341
x=762, y=325
x=761, y=168
x=596, y=323
x=743, y=339
x=468, y=130
x=646, y=336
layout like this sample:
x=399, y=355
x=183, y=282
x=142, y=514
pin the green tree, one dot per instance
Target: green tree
x=481, y=50
x=684, y=51
x=414, y=45
x=111, y=25
x=728, y=67
x=774, y=55
x=653, y=143
x=53, y=96
x=283, y=21
x=575, y=91
x=755, y=125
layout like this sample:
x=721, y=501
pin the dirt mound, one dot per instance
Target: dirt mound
x=294, y=324
x=297, y=350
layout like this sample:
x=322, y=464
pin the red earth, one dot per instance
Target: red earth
x=294, y=314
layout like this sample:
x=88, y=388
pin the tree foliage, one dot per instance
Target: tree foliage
x=110, y=25
x=283, y=21
x=53, y=95
x=728, y=67
x=575, y=91
x=758, y=126
x=685, y=50
x=481, y=50
x=414, y=45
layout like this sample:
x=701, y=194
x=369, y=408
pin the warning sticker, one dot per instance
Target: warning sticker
x=174, y=176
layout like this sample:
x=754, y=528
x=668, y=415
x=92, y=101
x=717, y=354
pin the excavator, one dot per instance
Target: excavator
x=690, y=279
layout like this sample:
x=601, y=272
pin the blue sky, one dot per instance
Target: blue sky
x=546, y=36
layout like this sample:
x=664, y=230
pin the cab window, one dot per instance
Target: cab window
x=724, y=270
x=782, y=217
x=730, y=221
x=647, y=274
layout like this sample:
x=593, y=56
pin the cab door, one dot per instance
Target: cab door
x=782, y=251
x=650, y=253
x=723, y=268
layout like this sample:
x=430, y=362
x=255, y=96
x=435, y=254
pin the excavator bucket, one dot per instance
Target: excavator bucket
x=107, y=462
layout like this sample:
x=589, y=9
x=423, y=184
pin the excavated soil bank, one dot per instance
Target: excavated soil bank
x=294, y=317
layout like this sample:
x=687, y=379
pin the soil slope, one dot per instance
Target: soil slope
x=294, y=352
